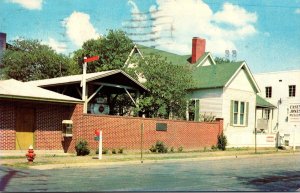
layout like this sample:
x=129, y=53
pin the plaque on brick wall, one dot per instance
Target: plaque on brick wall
x=161, y=127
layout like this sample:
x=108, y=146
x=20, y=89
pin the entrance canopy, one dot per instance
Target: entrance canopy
x=104, y=90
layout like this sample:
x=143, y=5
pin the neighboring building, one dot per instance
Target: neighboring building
x=282, y=89
x=227, y=91
x=2, y=48
x=29, y=113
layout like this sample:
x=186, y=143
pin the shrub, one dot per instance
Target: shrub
x=153, y=149
x=213, y=148
x=82, y=148
x=180, y=149
x=104, y=151
x=121, y=150
x=222, y=142
x=172, y=149
x=113, y=151
x=159, y=147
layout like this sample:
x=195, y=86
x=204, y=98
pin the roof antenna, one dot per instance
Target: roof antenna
x=234, y=55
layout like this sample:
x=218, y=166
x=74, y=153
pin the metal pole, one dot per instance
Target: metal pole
x=100, y=145
x=142, y=137
x=84, y=86
x=142, y=133
x=294, y=145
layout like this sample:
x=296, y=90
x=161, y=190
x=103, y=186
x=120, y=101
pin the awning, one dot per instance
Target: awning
x=262, y=103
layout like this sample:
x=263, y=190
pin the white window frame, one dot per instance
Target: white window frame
x=292, y=90
x=239, y=113
x=268, y=92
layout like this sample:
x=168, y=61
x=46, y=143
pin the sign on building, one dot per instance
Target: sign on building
x=294, y=112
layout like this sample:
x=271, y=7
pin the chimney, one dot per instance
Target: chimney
x=198, y=49
x=2, y=41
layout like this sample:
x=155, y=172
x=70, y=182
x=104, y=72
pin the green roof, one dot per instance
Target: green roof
x=214, y=76
x=171, y=57
x=261, y=102
x=174, y=58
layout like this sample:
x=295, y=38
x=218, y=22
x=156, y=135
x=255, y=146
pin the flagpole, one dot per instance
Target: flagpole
x=84, y=85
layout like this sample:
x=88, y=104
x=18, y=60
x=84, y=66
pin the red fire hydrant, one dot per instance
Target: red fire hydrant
x=30, y=155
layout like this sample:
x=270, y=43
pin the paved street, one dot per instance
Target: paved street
x=258, y=173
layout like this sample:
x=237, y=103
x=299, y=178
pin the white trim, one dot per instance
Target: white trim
x=244, y=64
x=131, y=53
x=208, y=55
x=130, y=97
x=94, y=93
x=239, y=113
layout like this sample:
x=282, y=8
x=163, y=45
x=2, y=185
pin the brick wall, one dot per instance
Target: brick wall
x=48, y=127
x=7, y=125
x=48, y=134
x=118, y=132
x=125, y=132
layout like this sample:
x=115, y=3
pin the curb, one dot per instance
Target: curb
x=151, y=161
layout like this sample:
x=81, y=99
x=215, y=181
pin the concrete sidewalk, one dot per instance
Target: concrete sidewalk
x=19, y=153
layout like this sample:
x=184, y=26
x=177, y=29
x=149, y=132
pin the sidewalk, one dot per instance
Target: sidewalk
x=53, y=159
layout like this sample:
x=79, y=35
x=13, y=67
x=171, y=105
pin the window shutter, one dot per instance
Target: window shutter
x=231, y=112
x=247, y=113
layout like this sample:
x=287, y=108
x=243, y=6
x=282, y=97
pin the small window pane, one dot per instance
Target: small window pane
x=235, y=118
x=242, y=110
x=236, y=106
x=242, y=119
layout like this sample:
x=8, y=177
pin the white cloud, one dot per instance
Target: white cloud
x=79, y=28
x=29, y=4
x=297, y=11
x=234, y=15
x=57, y=46
x=176, y=22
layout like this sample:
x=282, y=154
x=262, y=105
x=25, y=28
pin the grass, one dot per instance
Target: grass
x=21, y=161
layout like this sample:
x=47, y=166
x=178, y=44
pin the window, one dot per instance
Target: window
x=239, y=113
x=292, y=90
x=266, y=114
x=268, y=92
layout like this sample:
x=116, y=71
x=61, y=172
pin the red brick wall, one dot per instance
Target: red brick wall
x=48, y=134
x=125, y=132
x=118, y=132
x=48, y=123
x=7, y=125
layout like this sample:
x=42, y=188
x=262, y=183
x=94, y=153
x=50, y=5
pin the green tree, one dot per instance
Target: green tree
x=167, y=84
x=113, y=50
x=30, y=60
x=220, y=60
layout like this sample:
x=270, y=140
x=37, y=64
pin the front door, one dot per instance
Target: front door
x=24, y=128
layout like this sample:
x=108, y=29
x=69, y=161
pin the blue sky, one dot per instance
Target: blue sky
x=265, y=33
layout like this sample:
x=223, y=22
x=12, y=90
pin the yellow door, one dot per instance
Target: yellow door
x=24, y=128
